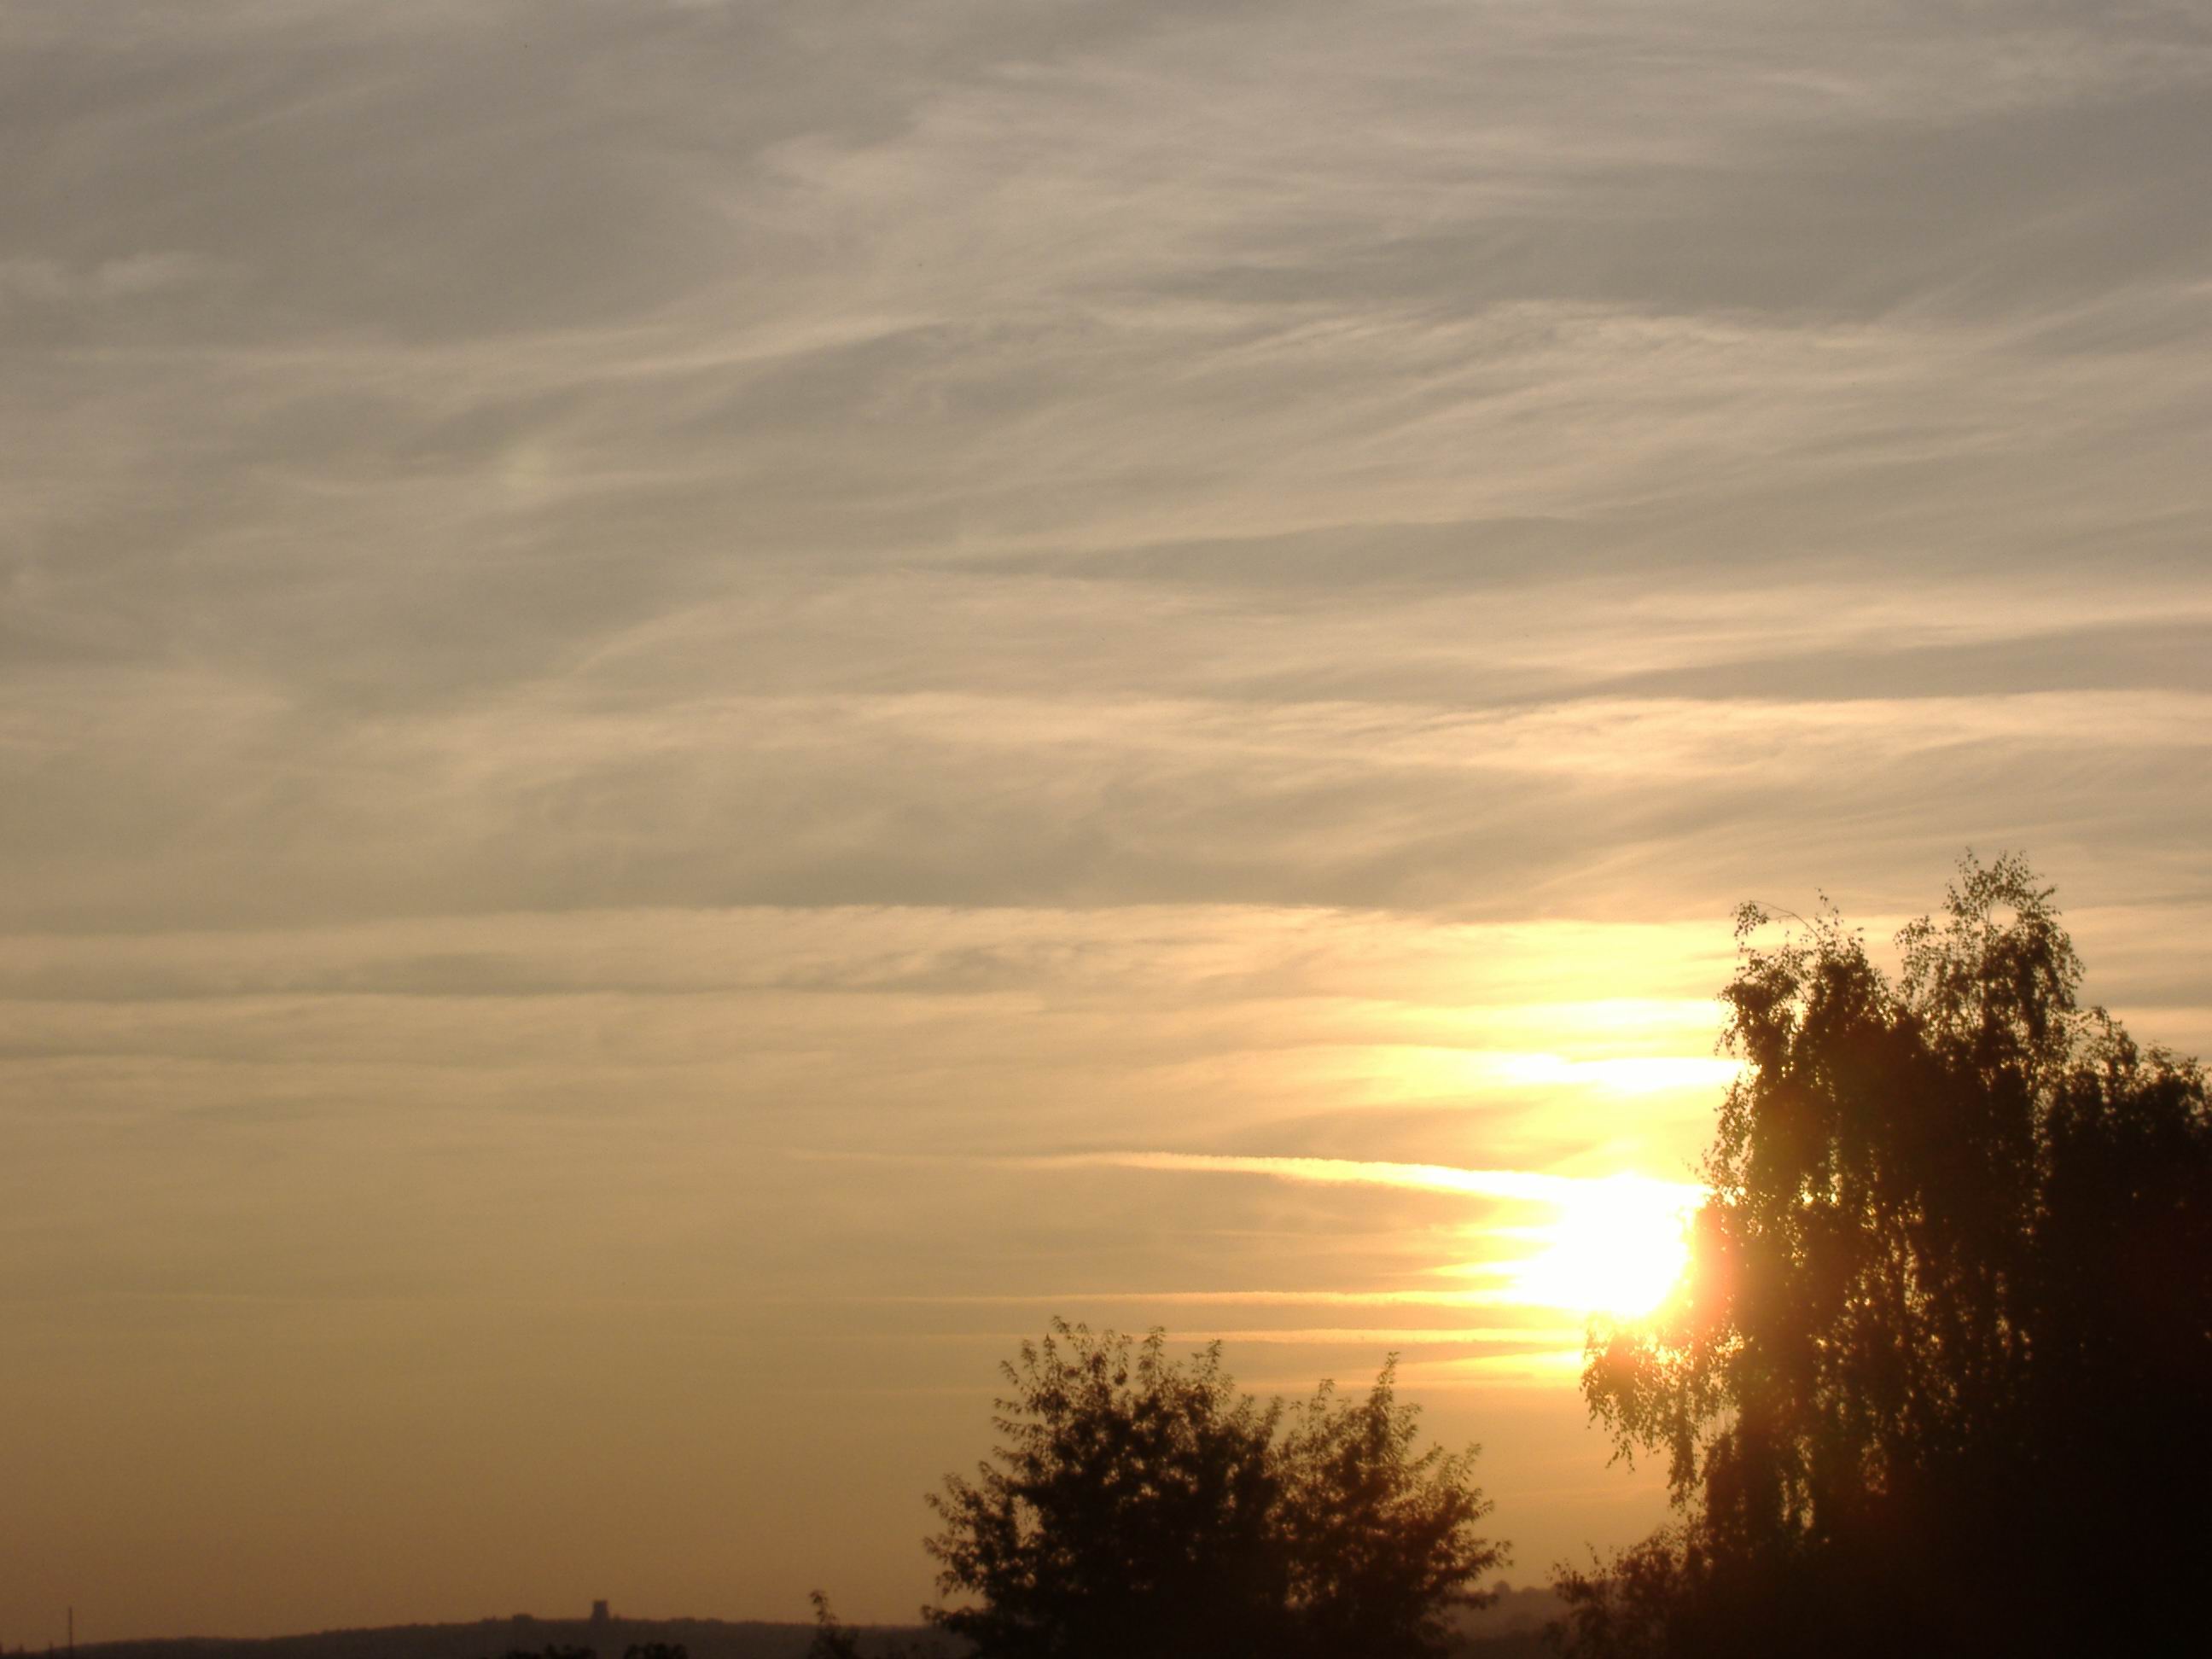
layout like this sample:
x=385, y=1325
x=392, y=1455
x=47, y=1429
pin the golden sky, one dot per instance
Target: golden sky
x=703, y=705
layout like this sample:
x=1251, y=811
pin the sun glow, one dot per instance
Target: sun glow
x=1612, y=1245
x=1615, y=1247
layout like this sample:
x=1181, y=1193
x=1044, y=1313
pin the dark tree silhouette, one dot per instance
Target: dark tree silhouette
x=1141, y=1505
x=1943, y=1354
x=833, y=1640
x=1379, y=1539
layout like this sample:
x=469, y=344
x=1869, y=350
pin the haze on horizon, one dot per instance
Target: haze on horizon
x=706, y=704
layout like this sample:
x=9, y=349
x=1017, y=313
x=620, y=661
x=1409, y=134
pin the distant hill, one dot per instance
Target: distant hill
x=1512, y=1626
x=493, y=1639
x=1509, y=1629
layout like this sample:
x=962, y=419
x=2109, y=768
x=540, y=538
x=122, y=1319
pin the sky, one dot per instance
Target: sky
x=702, y=706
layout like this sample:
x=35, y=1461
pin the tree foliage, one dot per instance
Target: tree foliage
x=833, y=1639
x=1943, y=1354
x=1138, y=1504
x=1378, y=1537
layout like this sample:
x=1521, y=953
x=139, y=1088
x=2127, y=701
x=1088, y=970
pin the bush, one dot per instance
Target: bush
x=1138, y=1504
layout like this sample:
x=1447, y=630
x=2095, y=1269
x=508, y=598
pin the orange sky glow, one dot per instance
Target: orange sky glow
x=704, y=706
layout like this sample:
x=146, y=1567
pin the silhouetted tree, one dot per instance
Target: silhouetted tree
x=1138, y=1504
x=833, y=1640
x=1380, y=1540
x=1945, y=1346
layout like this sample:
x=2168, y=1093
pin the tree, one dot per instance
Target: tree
x=834, y=1640
x=1379, y=1541
x=1141, y=1505
x=831, y=1639
x=1943, y=1351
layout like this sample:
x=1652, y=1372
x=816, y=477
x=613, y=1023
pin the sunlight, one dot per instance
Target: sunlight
x=1614, y=1247
x=1628, y=1074
x=1613, y=1244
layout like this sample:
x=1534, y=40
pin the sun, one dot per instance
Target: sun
x=1615, y=1247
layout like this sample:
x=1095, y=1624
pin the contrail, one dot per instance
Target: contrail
x=1519, y=1186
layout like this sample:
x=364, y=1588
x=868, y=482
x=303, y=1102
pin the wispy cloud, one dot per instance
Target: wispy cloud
x=1537, y=1342
x=604, y=607
x=1055, y=1300
x=1516, y=1186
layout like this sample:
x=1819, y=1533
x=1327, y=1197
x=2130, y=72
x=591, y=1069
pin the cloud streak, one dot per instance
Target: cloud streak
x=1511, y=1186
x=604, y=608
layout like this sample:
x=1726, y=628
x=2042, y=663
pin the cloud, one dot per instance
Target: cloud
x=603, y=602
x=1514, y=1186
x=52, y=282
x=1245, y=1298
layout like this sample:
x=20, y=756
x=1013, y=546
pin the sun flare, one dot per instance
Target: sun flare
x=1617, y=1247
